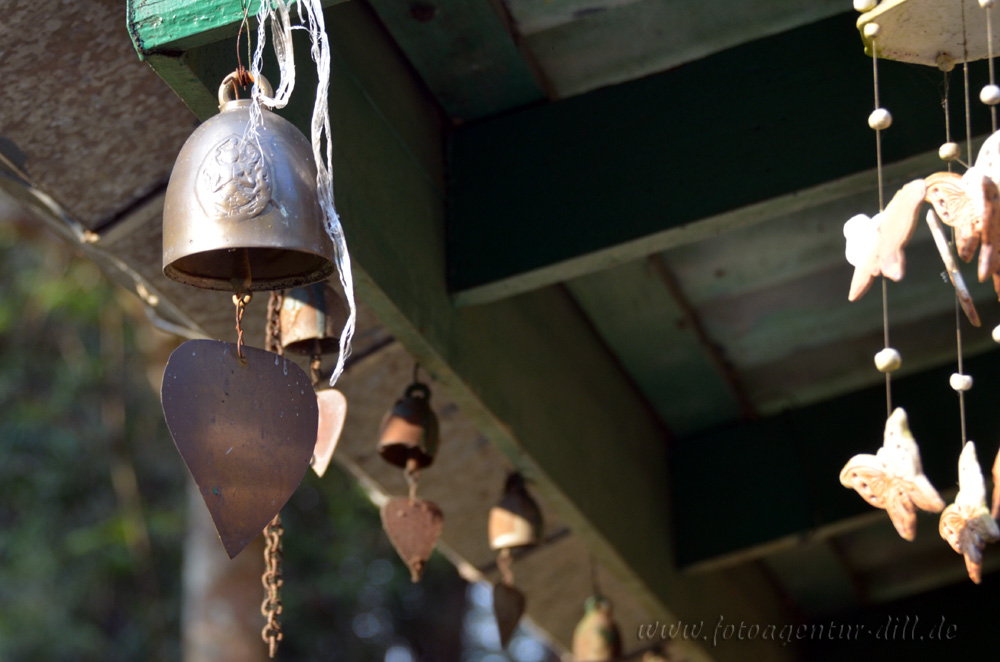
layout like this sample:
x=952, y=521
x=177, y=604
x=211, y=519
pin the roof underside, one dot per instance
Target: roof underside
x=613, y=232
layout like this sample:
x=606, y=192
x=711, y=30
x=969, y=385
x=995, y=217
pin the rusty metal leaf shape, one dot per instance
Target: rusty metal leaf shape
x=893, y=479
x=332, y=414
x=508, y=605
x=966, y=524
x=245, y=429
x=413, y=526
x=875, y=245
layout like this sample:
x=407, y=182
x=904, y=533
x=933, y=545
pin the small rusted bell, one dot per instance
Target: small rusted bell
x=596, y=637
x=311, y=319
x=516, y=521
x=410, y=431
x=241, y=211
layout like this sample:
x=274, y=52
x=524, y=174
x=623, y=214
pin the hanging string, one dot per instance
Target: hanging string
x=505, y=561
x=881, y=208
x=310, y=15
x=242, y=76
x=989, y=47
x=968, y=142
x=594, y=586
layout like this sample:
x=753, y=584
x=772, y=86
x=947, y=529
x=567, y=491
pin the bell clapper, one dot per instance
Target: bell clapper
x=505, y=562
x=240, y=300
x=412, y=474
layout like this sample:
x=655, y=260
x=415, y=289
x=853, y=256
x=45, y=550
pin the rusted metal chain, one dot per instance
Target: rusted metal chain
x=272, y=581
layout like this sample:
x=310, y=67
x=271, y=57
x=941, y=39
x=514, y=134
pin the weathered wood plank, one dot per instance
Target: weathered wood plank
x=586, y=44
x=559, y=190
x=164, y=26
x=657, y=345
x=464, y=54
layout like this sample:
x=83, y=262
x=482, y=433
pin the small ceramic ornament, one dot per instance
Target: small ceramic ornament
x=596, y=637
x=332, y=414
x=969, y=203
x=875, y=245
x=893, y=478
x=995, y=511
x=655, y=656
x=966, y=524
x=413, y=526
x=944, y=248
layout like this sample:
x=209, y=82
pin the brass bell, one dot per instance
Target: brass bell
x=241, y=211
x=516, y=521
x=311, y=319
x=409, y=436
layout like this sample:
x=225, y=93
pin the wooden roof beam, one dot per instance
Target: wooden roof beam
x=559, y=190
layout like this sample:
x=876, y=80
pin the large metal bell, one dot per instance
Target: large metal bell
x=409, y=436
x=241, y=211
x=516, y=521
x=311, y=319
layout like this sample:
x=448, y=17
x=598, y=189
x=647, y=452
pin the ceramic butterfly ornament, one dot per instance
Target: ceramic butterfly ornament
x=995, y=511
x=875, y=245
x=970, y=203
x=967, y=524
x=893, y=479
x=951, y=265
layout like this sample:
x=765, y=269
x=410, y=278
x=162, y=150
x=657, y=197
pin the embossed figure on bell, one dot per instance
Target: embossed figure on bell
x=409, y=436
x=241, y=211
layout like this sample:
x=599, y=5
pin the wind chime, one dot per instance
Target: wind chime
x=935, y=33
x=249, y=207
x=409, y=440
x=514, y=523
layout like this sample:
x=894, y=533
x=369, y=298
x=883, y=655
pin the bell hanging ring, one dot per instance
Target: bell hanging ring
x=241, y=210
x=311, y=319
x=516, y=521
x=410, y=431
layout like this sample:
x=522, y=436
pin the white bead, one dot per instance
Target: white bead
x=867, y=5
x=996, y=334
x=950, y=152
x=872, y=30
x=880, y=119
x=990, y=95
x=945, y=62
x=888, y=360
x=985, y=4
x=960, y=382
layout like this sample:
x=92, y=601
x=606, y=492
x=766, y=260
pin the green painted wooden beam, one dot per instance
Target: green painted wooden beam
x=530, y=371
x=786, y=467
x=464, y=53
x=165, y=33
x=559, y=190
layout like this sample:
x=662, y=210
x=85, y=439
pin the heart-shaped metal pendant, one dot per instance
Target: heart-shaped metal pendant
x=246, y=430
x=508, y=605
x=413, y=527
x=332, y=414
